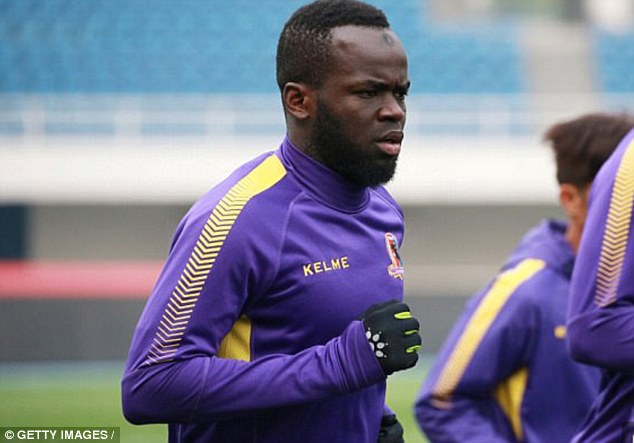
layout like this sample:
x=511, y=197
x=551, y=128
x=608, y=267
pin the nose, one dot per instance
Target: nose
x=392, y=109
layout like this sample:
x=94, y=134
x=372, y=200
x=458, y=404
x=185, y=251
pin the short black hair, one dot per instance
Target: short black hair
x=583, y=144
x=304, y=45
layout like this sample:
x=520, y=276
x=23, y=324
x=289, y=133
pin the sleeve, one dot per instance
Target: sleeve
x=468, y=393
x=601, y=309
x=174, y=372
x=387, y=410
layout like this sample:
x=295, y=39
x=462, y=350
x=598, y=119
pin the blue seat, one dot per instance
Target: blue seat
x=615, y=58
x=219, y=47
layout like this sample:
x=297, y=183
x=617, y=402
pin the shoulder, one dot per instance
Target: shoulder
x=261, y=178
x=254, y=196
x=522, y=285
x=511, y=300
x=263, y=173
x=618, y=168
x=541, y=262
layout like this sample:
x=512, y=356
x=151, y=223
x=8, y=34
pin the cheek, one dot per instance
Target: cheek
x=358, y=119
x=358, y=130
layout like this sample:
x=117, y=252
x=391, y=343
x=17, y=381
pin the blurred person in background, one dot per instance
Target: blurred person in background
x=601, y=311
x=278, y=314
x=504, y=373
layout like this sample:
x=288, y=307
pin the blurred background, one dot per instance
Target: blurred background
x=115, y=116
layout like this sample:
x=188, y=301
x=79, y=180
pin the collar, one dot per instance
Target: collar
x=547, y=241
x=321, y=182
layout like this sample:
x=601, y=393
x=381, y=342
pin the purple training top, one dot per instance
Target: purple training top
x=251, y=332
x=601, y=311
x=503, y=374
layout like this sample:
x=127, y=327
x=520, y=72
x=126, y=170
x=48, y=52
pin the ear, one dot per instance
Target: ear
x=298, y=100
x=572, y=200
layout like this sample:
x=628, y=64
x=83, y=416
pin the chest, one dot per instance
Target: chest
x=332, y=267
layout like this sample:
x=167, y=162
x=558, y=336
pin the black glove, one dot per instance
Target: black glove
x=391, y=430
x=393, y=335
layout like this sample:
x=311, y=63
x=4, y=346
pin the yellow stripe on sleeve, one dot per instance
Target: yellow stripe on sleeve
x=210, y=241
x=479, y=324
x=510, y=394
x=617, y=230
x=237, y=343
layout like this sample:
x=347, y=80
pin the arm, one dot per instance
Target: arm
x=208, y=387
x=461, y=399
x=175, y=371
x=467, y=419
x=603, y=337
x=601, y=311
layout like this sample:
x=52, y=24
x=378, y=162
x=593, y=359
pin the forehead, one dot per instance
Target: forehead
x=367, y=51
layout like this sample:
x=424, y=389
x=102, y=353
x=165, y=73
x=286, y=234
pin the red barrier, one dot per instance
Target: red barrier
x=113, y=279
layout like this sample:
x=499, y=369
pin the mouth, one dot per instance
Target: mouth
x=390, y=143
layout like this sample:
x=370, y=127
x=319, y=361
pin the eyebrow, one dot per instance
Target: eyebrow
x=382, y=86
x=405, y=86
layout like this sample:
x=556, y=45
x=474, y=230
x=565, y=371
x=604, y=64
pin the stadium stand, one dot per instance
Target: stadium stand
x=166, y=68
x=615, y=56
x=196, y=46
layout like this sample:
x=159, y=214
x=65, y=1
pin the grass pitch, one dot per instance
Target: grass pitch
x=88, y=394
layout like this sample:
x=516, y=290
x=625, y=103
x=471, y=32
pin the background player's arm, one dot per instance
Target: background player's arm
x=458, y=401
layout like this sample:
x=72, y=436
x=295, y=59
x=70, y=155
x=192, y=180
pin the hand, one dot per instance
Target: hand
x=393, y=335
x=391, y=430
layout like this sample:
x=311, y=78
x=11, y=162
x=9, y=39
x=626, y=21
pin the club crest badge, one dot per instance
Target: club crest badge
x=395, y=269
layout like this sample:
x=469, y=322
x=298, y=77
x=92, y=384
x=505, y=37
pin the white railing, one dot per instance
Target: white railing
x=172, y=148
x=236, y=115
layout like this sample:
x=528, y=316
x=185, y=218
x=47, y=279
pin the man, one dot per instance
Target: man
x=503, y=374
x=278, y=314
x=601, y=312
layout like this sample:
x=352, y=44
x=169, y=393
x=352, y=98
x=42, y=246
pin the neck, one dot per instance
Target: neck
x=299, y=138
x=322, y=182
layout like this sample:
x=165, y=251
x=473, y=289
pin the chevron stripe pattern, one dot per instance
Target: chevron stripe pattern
x=183, y=299
x=617, y=230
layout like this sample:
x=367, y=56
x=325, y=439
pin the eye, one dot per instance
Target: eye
x=400, y=94
x=367, y=93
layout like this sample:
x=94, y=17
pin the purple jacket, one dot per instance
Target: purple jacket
x=503, y=374
x=251, y=333
x=601, y=312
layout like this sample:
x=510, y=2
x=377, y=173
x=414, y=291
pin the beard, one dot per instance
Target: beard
x=330, y=145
